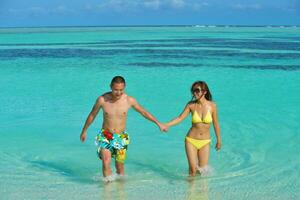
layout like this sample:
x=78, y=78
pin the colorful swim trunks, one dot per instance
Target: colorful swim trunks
x=116, y=143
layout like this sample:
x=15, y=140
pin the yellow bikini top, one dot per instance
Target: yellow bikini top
x=196, y=119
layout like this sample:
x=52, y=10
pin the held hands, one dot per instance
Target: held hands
x=163, y=127
x=83, y=136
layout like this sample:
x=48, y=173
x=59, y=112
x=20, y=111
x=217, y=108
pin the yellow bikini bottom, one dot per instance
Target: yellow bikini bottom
x=197, y=143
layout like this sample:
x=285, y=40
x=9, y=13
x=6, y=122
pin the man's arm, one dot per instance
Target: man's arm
x=136, y=106
x=91, y=117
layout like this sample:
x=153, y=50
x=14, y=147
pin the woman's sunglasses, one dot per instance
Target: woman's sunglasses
x=197, y=90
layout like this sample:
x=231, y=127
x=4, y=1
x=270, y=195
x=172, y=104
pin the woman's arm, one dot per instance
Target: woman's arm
x=216, y=127
x=181, y=117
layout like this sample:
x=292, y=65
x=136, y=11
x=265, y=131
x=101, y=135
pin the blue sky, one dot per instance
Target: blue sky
x=23, y=13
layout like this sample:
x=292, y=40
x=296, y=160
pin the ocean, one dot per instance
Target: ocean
x=51, y=77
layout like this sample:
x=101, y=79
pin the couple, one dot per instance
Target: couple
x=113, y=140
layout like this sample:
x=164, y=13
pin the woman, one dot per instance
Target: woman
x=204, y=112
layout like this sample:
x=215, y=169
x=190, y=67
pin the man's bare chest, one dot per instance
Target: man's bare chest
x=115, y=109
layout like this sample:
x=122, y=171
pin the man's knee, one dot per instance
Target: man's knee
x=106, y=158
x=106, y=161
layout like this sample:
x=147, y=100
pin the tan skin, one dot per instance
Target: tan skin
x=115, y=106
x=199, y=130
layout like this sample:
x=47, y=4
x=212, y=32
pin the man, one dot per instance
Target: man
x=113, y=140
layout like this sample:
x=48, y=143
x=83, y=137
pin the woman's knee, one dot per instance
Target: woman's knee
x=193, y=171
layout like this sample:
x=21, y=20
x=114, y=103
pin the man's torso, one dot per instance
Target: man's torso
x=115, y=113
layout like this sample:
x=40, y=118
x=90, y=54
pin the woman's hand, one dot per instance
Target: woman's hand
x=218, y=146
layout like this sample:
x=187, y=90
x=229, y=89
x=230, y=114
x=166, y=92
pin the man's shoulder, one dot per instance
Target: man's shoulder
x=130, y=99
x=104, y=97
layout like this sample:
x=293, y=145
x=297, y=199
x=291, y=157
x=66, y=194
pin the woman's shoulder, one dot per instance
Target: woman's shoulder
x=191, y=104
x=212, y=105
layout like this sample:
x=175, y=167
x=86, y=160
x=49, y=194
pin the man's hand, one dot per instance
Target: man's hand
x=83, y=136
x=163, y=127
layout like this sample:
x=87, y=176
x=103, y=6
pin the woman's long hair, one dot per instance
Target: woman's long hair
x=204, y=87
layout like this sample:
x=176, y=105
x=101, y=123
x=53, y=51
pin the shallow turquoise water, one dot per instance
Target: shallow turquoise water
x=50, y=78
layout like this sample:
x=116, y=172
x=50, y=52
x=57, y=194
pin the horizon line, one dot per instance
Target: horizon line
x=181, y=25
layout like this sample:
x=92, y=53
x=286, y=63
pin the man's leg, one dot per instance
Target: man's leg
x=106, y=158
x=120, y=159
x=120, y=168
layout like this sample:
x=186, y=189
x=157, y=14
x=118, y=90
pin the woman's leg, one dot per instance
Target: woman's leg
x=203, y=155
x=191, y=154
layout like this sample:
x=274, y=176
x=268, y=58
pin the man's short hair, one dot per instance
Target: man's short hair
x=118, y=79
